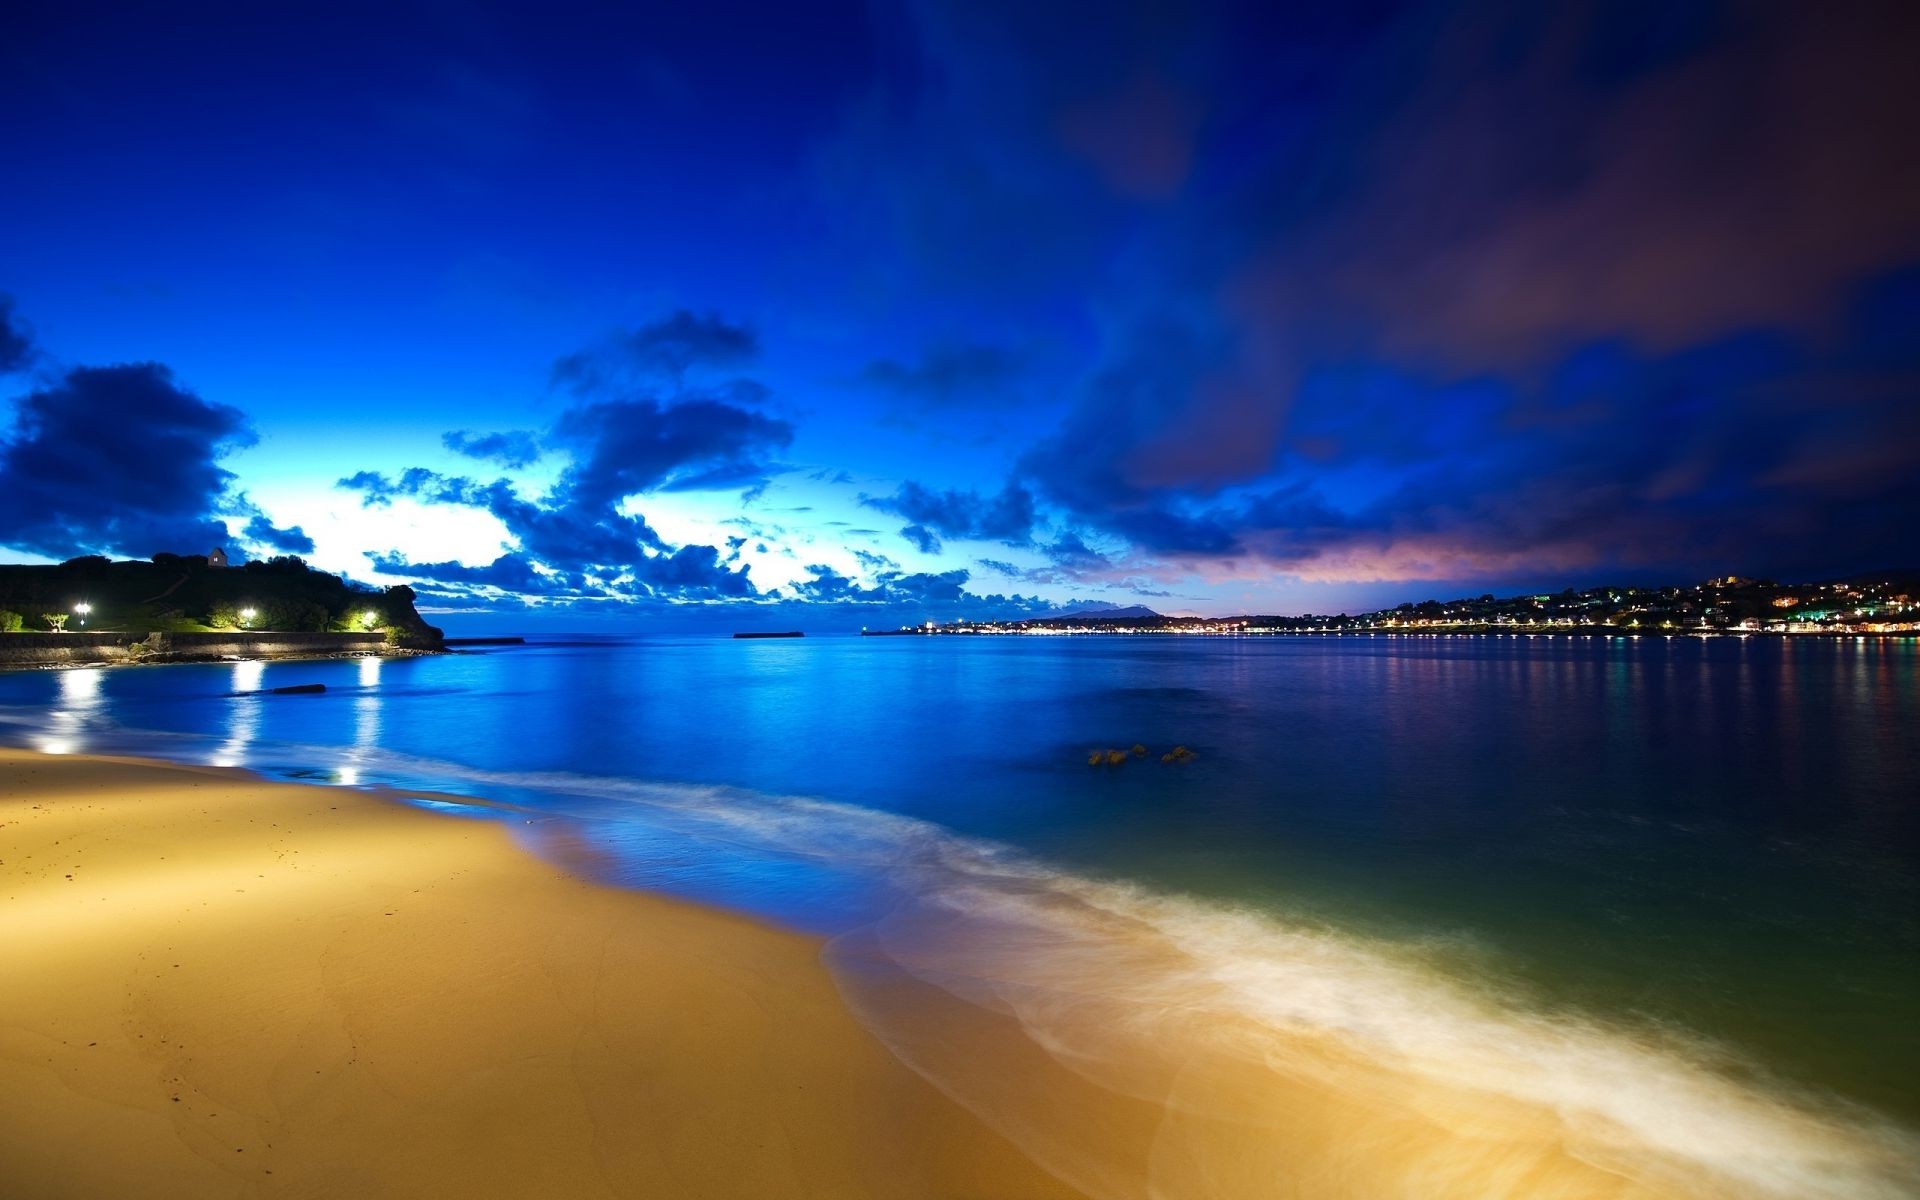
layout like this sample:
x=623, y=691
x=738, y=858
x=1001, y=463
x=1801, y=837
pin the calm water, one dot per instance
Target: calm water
x=1711, y=845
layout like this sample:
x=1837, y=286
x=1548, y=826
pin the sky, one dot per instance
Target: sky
x=829, y=315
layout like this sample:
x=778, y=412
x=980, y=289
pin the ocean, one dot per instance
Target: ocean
x=1654, y=900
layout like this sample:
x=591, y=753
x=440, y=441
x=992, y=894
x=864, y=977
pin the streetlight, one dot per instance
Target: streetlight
x=368, y=618
x=246, y=617
x=83, y=608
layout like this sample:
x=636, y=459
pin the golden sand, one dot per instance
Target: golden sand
x=213, y=986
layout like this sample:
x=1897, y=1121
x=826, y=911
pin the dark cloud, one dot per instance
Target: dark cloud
x=931, y=515
x=557, y=531
x=888, y=588
x=872, y=561
x=512, y=449
x=898, y=598
x=950, y=376
x=1070, y=551
x=691, y=572
x=16, y=340
x=579, y=534
x=509, y=573
x=668, y=347
x=117, y=460
x=1425, y=291
x=688, y=573
x=1166, y=412
x=922, y=538
x=1759, y=451
x=291, y=540
x=1541, y=182
x=627, y=447
x=1751, y=451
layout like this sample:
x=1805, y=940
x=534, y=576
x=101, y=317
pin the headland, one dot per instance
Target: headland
x=183, y=608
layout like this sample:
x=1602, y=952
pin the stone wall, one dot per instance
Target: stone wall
x=47, y=649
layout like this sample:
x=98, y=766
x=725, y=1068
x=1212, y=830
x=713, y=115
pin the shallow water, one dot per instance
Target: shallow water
x=1648, y=902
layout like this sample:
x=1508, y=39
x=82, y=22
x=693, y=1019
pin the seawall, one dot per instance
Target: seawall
x=53, y=649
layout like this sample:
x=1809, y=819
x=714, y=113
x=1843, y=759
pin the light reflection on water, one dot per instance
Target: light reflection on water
x=243, y=721
x=79, y=699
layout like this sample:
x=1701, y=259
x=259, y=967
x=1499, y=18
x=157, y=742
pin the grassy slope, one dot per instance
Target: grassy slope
x=181, y=595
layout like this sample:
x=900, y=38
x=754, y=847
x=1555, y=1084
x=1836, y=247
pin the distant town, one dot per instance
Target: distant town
x=1878, y=604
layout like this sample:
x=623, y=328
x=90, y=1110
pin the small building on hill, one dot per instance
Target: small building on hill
x=217, y=557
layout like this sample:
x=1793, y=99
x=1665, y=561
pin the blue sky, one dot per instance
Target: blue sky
x=865, y=312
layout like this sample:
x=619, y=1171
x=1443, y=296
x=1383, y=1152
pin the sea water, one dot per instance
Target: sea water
x=1435, y=915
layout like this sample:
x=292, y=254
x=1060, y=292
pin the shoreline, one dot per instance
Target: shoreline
x=225, y=986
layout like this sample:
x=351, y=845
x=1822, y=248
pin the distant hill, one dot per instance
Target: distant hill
x=1132, y=612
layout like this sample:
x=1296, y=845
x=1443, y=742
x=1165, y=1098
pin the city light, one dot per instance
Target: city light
x=368, y=618
x=246, y=617
x=83, y=608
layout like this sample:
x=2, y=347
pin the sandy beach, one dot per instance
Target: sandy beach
x=217, y=986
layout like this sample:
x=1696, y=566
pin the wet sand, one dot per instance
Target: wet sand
x=216, y=986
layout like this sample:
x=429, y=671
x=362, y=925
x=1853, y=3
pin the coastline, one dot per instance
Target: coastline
x=222, y=986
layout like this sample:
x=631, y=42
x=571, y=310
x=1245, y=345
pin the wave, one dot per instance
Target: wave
x=1142, y=1045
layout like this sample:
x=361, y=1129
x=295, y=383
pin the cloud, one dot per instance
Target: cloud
x=117, y=459
x=580, y=536
x=1140, y=136
x=933, y=515
x=922, y=538
x=1758, y=453
x=1538, y=185
x=668, y=347
x=1354, y=332
x=950, y=376
x=16, y=340
x=512, y=449
x=291, y=540
x=509, y=573
x=1069, y=551
x=901, y=598
x=627, y=447
x=691, y=572
x=558, y=531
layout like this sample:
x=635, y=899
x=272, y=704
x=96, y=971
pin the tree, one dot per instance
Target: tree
x=11, y=622
x=55, y=621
